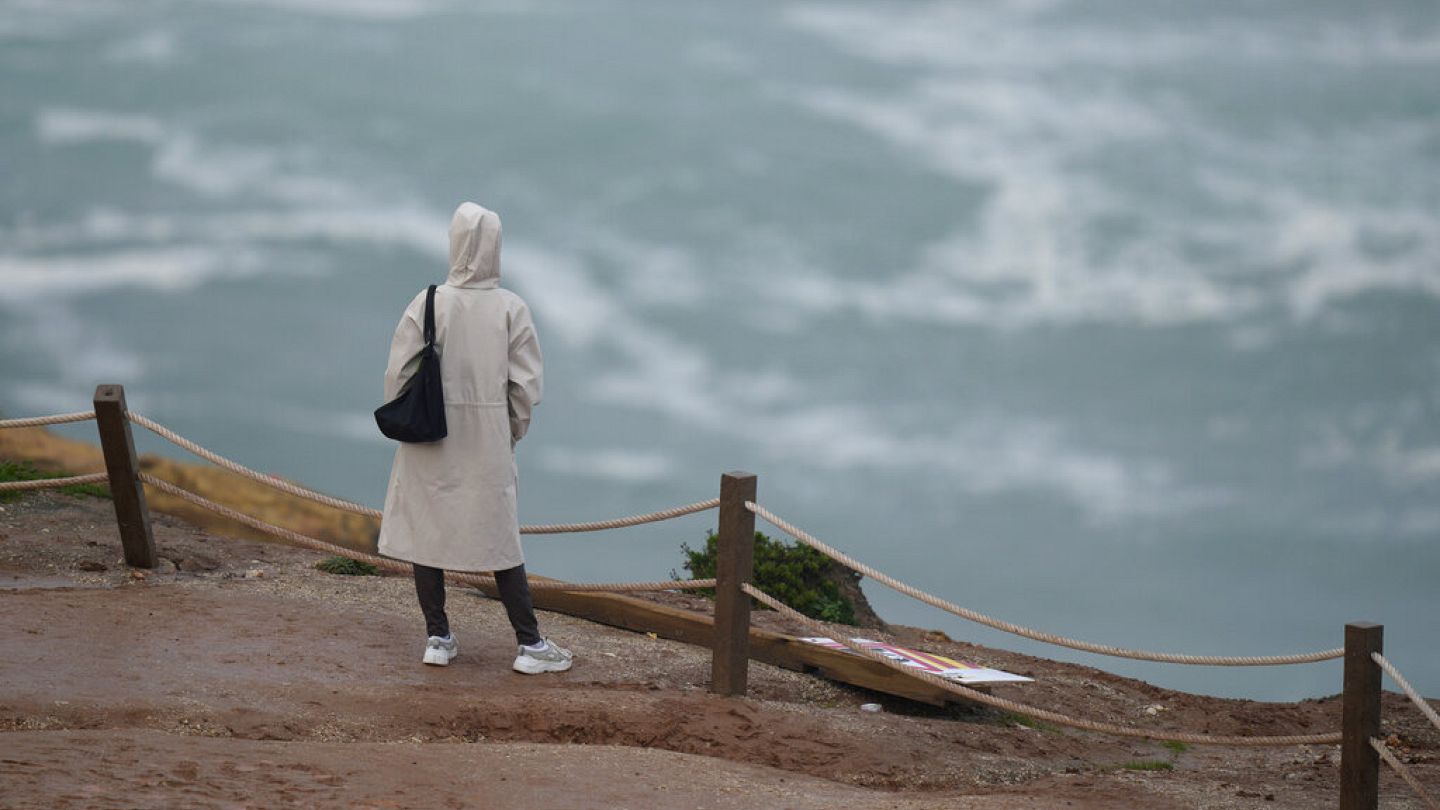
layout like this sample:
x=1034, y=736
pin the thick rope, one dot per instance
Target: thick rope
x=620, y=523
x=1420, y=703
x=241, y=470
x=1042, y=714
x=50, y=483
x=404, y=568
x=37, y=421
x=1404, y=772
x=1063, y=641
x=351, y=506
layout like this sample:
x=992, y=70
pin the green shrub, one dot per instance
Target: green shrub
x=799, y=576
x=25, y=471
x=346, y=567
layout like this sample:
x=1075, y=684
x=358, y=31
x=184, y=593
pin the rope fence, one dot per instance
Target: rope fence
x=1403, y=772
x=54, y=483
x=1042, y=714
x=396, y=566
x=621, y=523
x=41, y=421
x=1019, y=630
x=241, y=470
x=1420, y=703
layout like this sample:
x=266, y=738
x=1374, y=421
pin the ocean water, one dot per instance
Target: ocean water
x=1119, y=319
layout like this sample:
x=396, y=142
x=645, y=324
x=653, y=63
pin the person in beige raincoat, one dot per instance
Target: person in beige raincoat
x=451, y=503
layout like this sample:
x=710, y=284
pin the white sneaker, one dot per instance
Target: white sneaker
x=549, y=658
x=440, y=651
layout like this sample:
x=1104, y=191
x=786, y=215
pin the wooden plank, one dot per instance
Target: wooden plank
x=734, y=565
x=777, y=649
x=131, y=511
x=1360, y=717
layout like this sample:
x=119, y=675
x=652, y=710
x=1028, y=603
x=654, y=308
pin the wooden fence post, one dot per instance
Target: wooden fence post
x=734, y=564
x=128, y=494
x=1360, y=717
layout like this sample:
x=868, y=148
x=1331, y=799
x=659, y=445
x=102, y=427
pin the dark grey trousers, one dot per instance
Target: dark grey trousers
x=514, y=589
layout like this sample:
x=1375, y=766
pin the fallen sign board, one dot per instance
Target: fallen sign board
x=947, y=668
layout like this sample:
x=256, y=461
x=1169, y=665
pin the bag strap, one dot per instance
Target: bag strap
x=430, y=315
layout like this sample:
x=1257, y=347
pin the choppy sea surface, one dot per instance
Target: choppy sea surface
x=1117, y=319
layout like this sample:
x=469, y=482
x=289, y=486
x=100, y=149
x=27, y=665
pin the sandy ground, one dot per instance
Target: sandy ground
x=238, y=676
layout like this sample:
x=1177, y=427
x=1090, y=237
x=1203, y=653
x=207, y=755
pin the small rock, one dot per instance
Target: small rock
x=870, y=707
x=254, y=573
x=92, y=565
x=166, y=566
x=1154, y=709
x=137, y=575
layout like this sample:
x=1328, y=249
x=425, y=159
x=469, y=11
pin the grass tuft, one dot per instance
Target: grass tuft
x=346, y=567
x=1014, y=718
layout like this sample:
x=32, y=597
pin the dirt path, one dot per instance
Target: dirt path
x=239, y=676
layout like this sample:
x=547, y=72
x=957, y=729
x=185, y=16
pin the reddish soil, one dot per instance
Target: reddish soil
x=236, y=675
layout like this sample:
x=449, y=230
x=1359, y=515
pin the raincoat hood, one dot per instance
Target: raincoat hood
x=474, y=247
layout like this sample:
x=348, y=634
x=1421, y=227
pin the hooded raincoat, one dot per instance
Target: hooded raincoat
x=451, y=503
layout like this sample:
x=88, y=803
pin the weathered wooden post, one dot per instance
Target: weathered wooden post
x=734, y=564
x=121, y=463
x=1360, y=717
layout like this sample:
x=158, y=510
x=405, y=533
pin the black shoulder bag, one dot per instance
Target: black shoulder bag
x=418, y=413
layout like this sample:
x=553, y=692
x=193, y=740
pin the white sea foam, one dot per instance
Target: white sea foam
x=380, y=10
x=184, y=159
x=28, y=278
x=989, y=100
x=389, y=10
x=222, y=171
x=155, y=48
x=611, y=464
x=63, y=126
x=1029, y=257
x=399, y=225
x=1011, y=35
x=558, y=283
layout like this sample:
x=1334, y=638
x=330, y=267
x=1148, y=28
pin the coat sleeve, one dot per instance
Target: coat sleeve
x=404, y=354
x=526, y=371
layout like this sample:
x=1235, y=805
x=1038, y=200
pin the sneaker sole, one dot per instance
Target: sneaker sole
x=541, y=667
x=438, y=658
